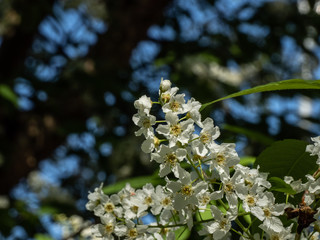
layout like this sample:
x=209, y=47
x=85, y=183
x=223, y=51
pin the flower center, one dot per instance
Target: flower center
x=187, y=190
x=148, y=200
x=248, y=183
x=174, y=105
x=205, y=137
x=146, y=123
x=267, y=212
x=171, y=159
x=197, y=158
x=274, y=237
x=220, y=159
x=165, y=97
x=109, y=228
x=250, y=200
x=175, y=129
x=204, y=200
x=166, y=201
x=223, y=223
x=109, y=207
x=134, y=209
x=228, y=187
x=132, y=233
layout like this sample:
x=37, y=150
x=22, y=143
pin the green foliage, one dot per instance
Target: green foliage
x=247, y=161
x=136, y=182
x=274, y=86
x=47, y=209
x=40, y=236
x=182, y=233
x=205, y=215
x=251, y=134
x=279, y=185
x=286, y=158
x=6, y=221
x=7, y=93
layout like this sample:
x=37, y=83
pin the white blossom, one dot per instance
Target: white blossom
x=250, y=177
x=94, y=198
x=135, y=207
x=162, y=200
x=176, y=105
x=105, y=230
x=192, y=108
x=297, y=186
x=131, y=231
x=229, y=189
x=221, y=224
x=271, y=212
x=198, y=152
x=108, y=205
x=145, y=122
x=143, y=105
x=283, y=234
x=165, y=97
x=252, y=199
x=209, y=132
x=169, y=159
x=223, y=157
x=176, y=131
x=314, y=149
x=185, y=190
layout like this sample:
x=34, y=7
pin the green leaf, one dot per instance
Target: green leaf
x=47, y=209
x=205, y=215
x=253, y=135
x=137, y=182
x=247, y=217
x=248, y=160
x=279, y=185
x=182, y=233
x=287, y=158
x=274, y=86
x=40, y=236
x=7, y=93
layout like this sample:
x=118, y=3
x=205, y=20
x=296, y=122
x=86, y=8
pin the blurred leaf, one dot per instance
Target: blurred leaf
x=47, y=210
x=182, y=233
x=137, y=182
x=248, y=160
x=40, y=236
x=254, y=135
x=204, y=215
x=279, y=185
x=169, y=58
x=6, y=222
x=274, y=86
x=286, y=158
x=7, y=93
x=247, y=217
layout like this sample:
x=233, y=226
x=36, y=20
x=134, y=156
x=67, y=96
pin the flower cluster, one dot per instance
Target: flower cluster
x=206, y=187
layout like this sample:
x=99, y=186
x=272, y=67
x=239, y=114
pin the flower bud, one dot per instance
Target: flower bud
x=165, y=85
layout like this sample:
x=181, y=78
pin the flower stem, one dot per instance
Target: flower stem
x=195, y=168
x=244, y=229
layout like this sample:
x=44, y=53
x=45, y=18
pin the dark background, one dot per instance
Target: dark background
x=71, y=70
